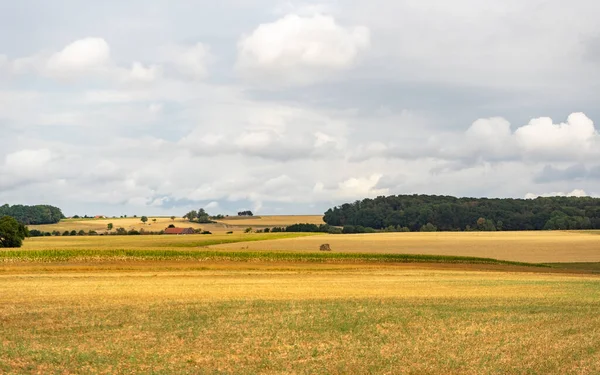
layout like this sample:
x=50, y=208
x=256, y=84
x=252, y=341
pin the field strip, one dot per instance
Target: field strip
x=529, y=247
x=8, y=256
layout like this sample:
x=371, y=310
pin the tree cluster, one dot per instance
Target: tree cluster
x=33, y=215
x=12, y=233
x=445, y=213
x=199, y=216
x=245, y=213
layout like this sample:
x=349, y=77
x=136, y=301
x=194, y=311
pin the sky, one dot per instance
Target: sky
x=157, y=107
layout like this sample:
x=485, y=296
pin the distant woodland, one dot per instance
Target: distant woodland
x=445, y=213
x=32, y=215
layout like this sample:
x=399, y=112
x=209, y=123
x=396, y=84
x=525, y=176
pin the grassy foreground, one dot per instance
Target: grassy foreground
x=304, y=322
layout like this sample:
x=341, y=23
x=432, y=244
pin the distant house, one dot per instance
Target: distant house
x=179, y=231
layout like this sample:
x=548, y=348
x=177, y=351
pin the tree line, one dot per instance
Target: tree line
x=33, y=215
x=445, y=213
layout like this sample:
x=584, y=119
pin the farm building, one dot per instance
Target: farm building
x=179, y=231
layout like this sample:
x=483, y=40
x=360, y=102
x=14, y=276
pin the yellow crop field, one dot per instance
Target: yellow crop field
x=162, y=242
x=533, y=247
x=315, y=320
x=156, y=224
x=212, y=304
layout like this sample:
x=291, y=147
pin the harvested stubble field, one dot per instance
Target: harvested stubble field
x=163, y=305
x=312, y=320
x=532, y=247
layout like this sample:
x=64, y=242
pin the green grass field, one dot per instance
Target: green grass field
x=227, y=304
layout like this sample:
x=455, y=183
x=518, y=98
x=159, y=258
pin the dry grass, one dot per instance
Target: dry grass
x=375, y=320
x=532, y=247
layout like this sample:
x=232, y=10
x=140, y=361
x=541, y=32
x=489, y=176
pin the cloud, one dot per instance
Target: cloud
x=300, y=50
x=574, y=193
x=28, y=161
x=491, y=140
x=542, y=138
x=140, y=73
x=360, y=187
x=81, y=56
x=192, y=62
x=575, y=172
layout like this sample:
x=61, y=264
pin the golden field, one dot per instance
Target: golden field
x=532, y=247
x=108, y=312
x=314, y=320
x=156, y=224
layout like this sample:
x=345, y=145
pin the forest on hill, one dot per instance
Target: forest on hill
x=33, y=215
x=445, y=213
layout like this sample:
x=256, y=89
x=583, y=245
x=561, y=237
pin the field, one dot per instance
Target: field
x=156, y=224
x=271, y=303
x=533, y=247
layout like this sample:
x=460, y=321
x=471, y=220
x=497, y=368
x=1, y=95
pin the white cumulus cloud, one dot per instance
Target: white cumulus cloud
x=301, y=50
x=541, y=137
x=83, y=55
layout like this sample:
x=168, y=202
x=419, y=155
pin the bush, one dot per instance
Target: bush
x=325, y=247
x=35, y=233
x=206, y=232
x=248, y=230
x=73, y=233
x=230, y=232
x=81, y=233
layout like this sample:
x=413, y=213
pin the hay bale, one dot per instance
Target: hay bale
x=325, y=247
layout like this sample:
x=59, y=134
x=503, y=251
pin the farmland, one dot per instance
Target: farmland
x=272, y=303
x=534, y=247
x=234, y=223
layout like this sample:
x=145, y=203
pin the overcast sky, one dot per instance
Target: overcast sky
x=156, y=107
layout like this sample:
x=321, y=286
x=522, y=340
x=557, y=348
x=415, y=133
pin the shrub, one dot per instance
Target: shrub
x=206, y=232
x=325, y=247
x=35, y=233
x=248, y=230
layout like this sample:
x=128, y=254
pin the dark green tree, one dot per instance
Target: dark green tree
x=12, y=233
